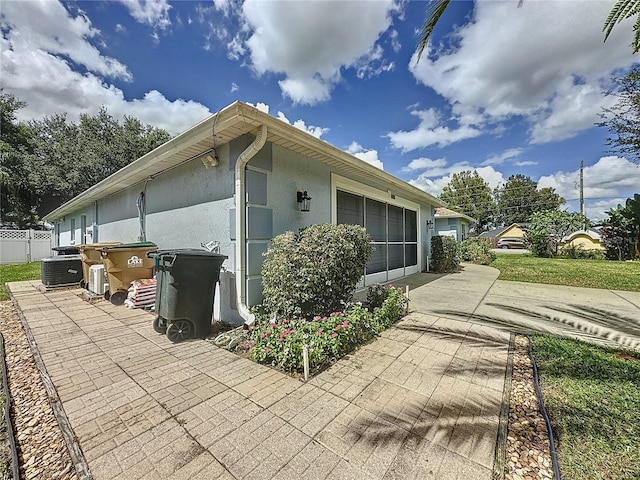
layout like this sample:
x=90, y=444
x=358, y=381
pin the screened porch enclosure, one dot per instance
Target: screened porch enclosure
x=393, y=230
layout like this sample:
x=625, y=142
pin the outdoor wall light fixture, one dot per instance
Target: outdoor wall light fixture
x=304, y=201
x=209, y=158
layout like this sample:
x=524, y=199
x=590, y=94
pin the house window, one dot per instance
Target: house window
x=393, y=230
x=350, y=209
x=83, y=228
x=73, y=231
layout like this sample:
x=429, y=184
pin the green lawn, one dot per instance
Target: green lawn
x=592, y=395
x=606, y=274
x=16, y=273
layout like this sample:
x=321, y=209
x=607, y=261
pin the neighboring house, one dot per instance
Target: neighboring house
x=236, y=178
x=515, y=230
x=584, y=239
x=452, y=224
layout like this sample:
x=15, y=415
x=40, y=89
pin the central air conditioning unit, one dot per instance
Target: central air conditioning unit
x=61, y=270
x=97, y=279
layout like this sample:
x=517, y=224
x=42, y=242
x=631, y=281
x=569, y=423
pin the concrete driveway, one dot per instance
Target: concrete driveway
x=608, y=317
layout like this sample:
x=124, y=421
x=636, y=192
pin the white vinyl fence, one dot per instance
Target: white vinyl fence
x=22, y=246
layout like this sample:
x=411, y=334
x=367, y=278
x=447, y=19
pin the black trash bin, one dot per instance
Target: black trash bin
x=185, y=291
x=66, y=250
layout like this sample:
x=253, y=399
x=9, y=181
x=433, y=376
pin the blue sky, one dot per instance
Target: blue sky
x=502, y=89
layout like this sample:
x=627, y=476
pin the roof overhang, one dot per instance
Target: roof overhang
x=448, y=213
x=229, y=123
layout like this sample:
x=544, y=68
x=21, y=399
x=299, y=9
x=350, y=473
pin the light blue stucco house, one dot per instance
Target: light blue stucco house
x=453, y=224
x=235, y=179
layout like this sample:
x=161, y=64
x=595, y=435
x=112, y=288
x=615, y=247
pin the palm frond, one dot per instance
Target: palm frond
x=636, y=35
x=434, y=12
x=622, y=10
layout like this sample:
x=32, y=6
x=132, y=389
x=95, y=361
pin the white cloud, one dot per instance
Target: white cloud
x=223, y=5
x=610, y=177
x=263, y=107
x=311, y=42
x=432, y=130
x=234, y=87
x=395, y=41
x=510, y=154
x=154, y=13
x=369, y=156
x=596, y=210
x=301, y=124
x=552, y=75
x=437, y=174
x=41, y=32
x=424, y=163
x=36, y=39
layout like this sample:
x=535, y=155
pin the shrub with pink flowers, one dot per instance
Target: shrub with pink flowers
x=280, y=342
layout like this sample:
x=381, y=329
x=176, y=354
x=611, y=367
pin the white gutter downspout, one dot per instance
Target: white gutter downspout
x=241, y=223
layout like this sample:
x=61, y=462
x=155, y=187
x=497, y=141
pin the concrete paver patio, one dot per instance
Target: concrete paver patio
x=422, y=401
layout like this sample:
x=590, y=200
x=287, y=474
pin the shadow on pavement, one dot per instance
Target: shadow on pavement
x=586, y=323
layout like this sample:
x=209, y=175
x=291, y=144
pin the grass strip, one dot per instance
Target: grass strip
x=17, y=273
x=607, y=274
x=592, y=395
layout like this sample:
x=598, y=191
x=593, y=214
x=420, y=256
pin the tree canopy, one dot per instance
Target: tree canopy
x=519, y=198
x=547, y=229
x=514, y=202
x=623, y=119
x=468, y=193
x=47, y=162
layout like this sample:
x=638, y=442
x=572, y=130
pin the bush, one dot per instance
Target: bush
x=315, y=271
x=377, y=294
x=280, y=343
x=538, y=245
x=443, y=254
x=580, y=253
x=476, y=250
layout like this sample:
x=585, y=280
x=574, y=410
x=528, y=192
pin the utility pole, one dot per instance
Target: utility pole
x=581, y=189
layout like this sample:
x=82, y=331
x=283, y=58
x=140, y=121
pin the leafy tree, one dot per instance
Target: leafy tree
x=622, y=10
x=617, y=233
x=67, y=158
x=547, y=229
x=16, y=196
x=632, y=213
x=623, y=119
x=519, y=198
x=468, y=193
x=548, y=199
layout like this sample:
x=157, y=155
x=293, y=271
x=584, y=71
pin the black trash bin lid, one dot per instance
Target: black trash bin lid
x=185, y=252
x=130, y=245
x=69, y=249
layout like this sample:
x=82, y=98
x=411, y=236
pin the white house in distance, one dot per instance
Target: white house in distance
x=236, y=178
